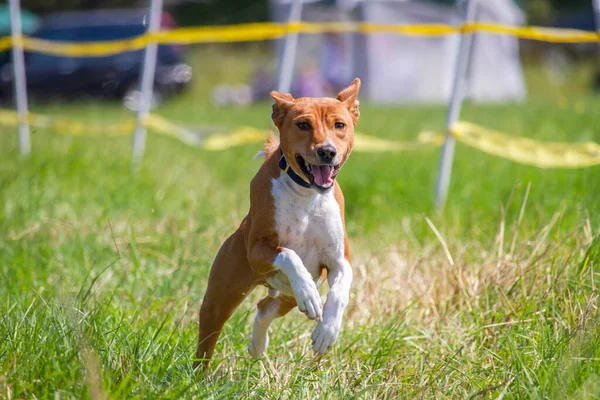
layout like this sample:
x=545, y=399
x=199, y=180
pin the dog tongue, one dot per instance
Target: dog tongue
x=323, y=174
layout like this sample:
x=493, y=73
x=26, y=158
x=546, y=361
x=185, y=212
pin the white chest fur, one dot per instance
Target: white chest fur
x=308, y=223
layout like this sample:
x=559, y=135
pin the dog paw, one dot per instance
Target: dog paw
x=324, y=336
x=308, y=299
x=257, y=346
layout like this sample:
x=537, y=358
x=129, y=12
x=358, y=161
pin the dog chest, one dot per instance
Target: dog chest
x=309, y=223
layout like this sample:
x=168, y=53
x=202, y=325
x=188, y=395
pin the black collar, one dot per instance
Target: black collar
x=286, y=168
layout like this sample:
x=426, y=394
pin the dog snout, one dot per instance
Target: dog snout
x=326, y=153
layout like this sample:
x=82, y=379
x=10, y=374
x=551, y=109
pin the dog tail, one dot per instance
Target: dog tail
x=270, y=147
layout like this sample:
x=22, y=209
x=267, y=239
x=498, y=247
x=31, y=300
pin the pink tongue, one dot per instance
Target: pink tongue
x=323, y=174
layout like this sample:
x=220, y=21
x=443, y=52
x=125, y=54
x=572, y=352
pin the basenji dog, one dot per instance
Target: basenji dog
x=294, y=236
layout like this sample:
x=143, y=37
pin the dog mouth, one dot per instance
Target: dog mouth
x=320, y=176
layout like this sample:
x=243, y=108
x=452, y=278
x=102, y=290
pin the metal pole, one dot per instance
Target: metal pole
x=19, y=75
x=596, y=8
x=288, y=59
x=147, y=85
x=456, y=100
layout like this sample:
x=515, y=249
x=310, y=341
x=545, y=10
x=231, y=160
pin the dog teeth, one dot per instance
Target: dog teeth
x=307, y=166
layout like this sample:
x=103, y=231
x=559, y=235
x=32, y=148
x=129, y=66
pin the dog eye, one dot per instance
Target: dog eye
x=304, y=126
x=340, y=125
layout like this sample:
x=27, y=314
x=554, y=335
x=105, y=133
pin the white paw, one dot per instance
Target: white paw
x=308, y=298
x=324, y=336
x=258, y=345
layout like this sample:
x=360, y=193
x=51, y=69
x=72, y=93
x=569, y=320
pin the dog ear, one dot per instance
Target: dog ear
x=349, y=97
x=282, y=102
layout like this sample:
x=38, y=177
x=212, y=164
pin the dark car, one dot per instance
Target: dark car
x=582, y=20
x=114, y=76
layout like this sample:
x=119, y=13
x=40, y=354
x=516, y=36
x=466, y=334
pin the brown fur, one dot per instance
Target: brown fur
x=247, y=256
x=271, y=145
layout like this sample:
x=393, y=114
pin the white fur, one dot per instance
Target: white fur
x=328, y=330
x=310, y=229
x=260, y=334
x=295, y=280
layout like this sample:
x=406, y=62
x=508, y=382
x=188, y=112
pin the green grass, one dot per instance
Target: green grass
x=102, y=271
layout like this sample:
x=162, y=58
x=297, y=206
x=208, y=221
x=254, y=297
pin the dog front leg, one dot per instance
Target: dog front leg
x=328, y=330
x=287, y=261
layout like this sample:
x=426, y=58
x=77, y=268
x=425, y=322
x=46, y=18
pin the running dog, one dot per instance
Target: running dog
x=294, y=236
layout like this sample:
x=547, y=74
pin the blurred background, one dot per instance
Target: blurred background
x=392, y=67
x=494, y=296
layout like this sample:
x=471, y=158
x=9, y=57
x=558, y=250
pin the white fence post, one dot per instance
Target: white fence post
x=19, y=75
x=288, y=59
x=147, y=84
x=596, y=6
x=462, y=59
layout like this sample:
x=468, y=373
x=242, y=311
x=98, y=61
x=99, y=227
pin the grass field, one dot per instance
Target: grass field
x=102, y=271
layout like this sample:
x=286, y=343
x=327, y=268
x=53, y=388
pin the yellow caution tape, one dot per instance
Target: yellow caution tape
x=542, y=34
x=67, y=126
x=87, y=49
x=166, y=127
x=527, y=151
x=9, y=117
x=5, y=43
x=226, y=33
x=216, y=142
x=362, y=143
x=269, y=30
x=239, y=137
x=78, y=128
x=521, y=150
x=370, y=144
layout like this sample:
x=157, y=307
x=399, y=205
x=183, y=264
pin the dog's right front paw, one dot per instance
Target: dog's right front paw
x=308, y=299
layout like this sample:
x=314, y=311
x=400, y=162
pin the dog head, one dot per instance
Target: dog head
x=317, y=134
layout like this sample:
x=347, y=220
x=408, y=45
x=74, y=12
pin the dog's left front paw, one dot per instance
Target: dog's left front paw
x=324, y=336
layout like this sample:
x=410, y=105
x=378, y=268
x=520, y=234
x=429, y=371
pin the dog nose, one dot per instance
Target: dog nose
x=326, y=153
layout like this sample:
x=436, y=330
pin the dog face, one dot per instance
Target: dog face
x=317, y=134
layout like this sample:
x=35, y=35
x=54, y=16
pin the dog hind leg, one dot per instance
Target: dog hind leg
x=231, y=280
x=269, y=308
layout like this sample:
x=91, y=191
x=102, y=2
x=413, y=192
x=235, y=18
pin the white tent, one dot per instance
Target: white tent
x=411, y=69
